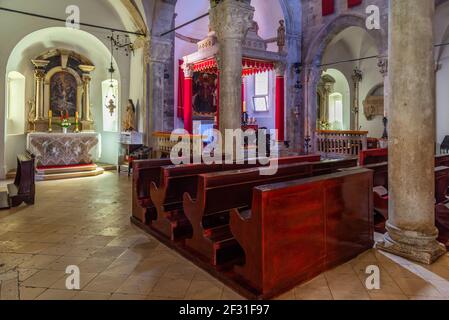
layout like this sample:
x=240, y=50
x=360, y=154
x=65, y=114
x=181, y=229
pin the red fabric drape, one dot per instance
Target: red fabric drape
x=328, y=7
x=218, y=102
x=188, y=87
x=243, y=94
x=353, y=3
x=280, y=112
x=180, y=107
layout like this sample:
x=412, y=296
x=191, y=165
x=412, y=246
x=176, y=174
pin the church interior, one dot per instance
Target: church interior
x=347, y=99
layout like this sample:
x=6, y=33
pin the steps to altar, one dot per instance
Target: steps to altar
x=68, y=172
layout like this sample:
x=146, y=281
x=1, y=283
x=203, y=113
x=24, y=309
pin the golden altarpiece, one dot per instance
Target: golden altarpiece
x=61, y=94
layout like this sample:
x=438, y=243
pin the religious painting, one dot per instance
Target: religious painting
x=205, y=94
x=63, y=88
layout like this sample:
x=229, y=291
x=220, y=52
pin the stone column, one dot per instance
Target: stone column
x=411, y=225
x=188, y=87
x=280, y=101
x=86, y=121
x=231, y=19
x=357, y=77
x=157, y=54
x=39, y=76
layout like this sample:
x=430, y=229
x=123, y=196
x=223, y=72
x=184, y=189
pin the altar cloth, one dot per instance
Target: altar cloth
x=59, y=149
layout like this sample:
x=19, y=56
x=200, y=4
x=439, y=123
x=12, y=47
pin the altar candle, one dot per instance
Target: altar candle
x=50, y=114
x=76, y=116
x=244, y=106
x=67, y=114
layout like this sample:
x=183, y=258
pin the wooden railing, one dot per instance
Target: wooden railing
x=341, y=144
x=165, y=145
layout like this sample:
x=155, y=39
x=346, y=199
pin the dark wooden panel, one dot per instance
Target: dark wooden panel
x=286, y=243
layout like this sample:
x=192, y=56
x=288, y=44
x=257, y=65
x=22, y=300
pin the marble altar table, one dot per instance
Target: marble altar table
x=69, y=149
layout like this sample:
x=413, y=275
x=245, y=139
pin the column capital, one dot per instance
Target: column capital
x=382, y=64
x=280, y=68
x=188, y=70
x=86, y=69
x=40, y=64
x=39, y=74
x=231, y=19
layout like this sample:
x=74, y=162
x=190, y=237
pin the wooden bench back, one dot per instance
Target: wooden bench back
x=25, y=174
x=331, y=166
x=299, y=228
x=442, y=160
x=176, y=180
x=380, y=178
x=144, y=172
x=373, y=156
x=221, y=191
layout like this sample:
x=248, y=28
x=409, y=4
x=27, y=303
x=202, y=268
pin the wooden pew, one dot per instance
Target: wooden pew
x=144, y=172
x=217, y=193
x=380, y=197
x=373, y=156
x=286, y=243
x=331, y=166
x=442, y=160
x=442, y=223
x=23, y=189
x=167, y=195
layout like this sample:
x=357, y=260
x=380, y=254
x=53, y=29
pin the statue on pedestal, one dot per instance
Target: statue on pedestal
x=128, y=123
x=281, y=36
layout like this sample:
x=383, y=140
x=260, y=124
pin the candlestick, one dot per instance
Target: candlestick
x=50, y=116
x=76, y=122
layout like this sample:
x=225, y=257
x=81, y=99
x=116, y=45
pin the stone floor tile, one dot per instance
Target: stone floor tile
x=204, y=290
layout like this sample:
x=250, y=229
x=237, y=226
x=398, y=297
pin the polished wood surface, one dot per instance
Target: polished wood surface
x=380, y=196
x=286, y=243
x=212, y=245
x=217, y=193
x=23, y=189
x=144, y=172
x=167, y=195
x=373, y=156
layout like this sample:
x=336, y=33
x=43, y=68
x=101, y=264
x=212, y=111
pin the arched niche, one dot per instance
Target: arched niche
x=373, y=104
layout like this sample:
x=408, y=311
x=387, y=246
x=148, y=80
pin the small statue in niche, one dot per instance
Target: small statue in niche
x=128, y=123
x=281, y=36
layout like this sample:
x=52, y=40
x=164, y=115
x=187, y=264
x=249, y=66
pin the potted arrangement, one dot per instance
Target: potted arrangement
x=65, y=121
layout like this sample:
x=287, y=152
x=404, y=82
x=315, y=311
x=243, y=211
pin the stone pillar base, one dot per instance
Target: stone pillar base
x=87, y=125
x=411, y=245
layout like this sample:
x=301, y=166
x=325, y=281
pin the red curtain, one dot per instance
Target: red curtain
x=353, y=3
x=180, y=107
x=328, y=7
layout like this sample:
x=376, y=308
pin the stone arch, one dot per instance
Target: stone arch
x=314, y=57
x=161, y=14
x=333, y=28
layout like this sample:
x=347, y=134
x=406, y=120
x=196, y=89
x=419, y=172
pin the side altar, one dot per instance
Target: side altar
x=65, y=155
